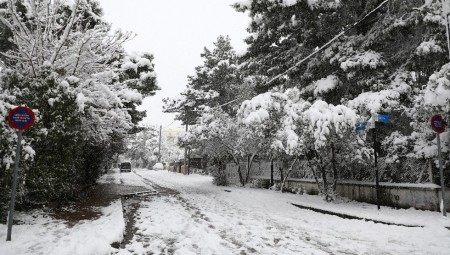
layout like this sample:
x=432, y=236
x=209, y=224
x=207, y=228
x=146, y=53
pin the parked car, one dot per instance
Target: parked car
x=125, y=167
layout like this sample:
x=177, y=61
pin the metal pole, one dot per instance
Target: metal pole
x=189, y=162
x=14, y=187
x=159, y=149
x=185, y=148
x=377, y=183
x=441, y=173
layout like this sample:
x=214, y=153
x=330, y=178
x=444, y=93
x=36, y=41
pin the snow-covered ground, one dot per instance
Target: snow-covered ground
x=205, y=219
x=40, y=234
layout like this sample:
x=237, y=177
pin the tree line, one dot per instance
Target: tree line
x=288, y=98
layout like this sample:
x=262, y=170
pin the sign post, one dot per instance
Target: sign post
x=377, y=182
x=362, y=126
x=438, y=125
x=19, y=118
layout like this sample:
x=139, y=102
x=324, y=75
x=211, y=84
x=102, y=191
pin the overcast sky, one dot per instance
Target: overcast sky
x=175, y=31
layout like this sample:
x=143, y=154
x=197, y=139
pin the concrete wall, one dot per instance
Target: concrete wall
x=419, y=196
x=423, y=197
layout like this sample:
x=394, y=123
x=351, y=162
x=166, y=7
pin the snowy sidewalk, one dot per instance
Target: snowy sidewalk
x=87, y=227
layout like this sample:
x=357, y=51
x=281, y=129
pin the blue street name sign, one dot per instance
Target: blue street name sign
x=383, y=118
x=361, y=126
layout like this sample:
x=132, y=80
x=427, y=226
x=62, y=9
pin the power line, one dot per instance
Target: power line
x=227, y=103
x=326, y=44
x=170, y=124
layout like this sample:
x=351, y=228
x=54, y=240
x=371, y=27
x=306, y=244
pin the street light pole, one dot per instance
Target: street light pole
x=187, y=121
x=159, y=148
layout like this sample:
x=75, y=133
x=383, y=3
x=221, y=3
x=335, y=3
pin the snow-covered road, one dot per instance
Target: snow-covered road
x=205, y=219
x=158, y=212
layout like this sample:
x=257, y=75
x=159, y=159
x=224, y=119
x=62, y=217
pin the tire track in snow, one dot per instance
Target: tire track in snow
x=173, y=198
x=241, y=241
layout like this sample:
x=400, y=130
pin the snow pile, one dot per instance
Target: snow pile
x=325, y=85
x=41, y=234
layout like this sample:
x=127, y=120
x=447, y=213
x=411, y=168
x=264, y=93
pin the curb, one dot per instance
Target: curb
x=351, y=217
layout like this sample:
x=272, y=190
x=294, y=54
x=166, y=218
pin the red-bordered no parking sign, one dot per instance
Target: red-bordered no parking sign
x=438, y=124
x=21, y=118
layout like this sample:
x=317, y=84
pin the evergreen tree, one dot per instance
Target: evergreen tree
x=213, y=84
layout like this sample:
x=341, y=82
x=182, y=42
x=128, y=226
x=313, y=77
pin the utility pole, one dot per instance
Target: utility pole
x=159, y=148
x=189, y=162
x=187, y=121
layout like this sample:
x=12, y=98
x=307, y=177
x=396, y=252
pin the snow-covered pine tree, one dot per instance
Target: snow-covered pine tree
x=214, y=83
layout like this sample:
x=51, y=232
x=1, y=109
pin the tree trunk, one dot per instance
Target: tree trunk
x=324, y=178
x=280, y=169
x=333, y=164
x=271, y=172
x=315, y=176
x=241, y=179
x=283, y=181
x=236, y=161
x=249, y=166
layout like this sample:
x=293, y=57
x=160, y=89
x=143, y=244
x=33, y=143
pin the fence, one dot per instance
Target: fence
x=407, y=170
x=401, y=184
